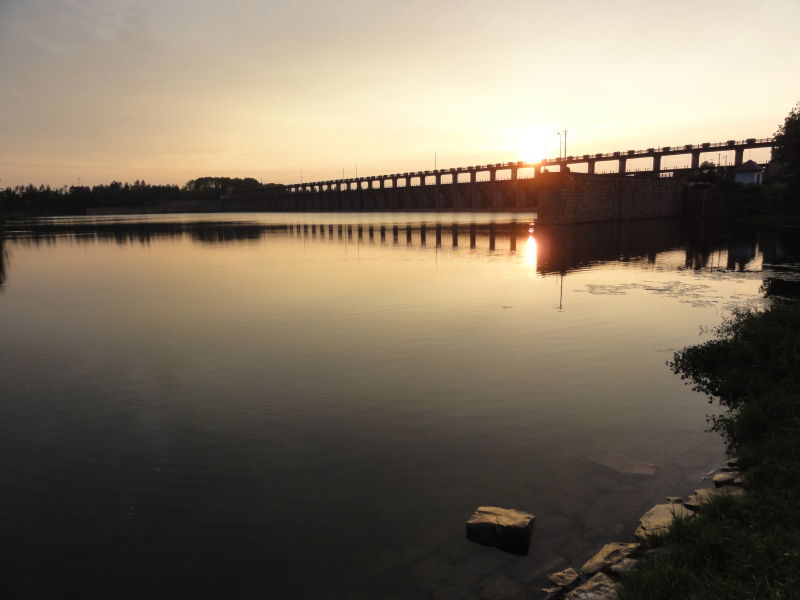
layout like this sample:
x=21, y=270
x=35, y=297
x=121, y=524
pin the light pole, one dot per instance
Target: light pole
x=559, y=144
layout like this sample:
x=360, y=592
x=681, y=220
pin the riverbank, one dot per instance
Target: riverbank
x=744, y=546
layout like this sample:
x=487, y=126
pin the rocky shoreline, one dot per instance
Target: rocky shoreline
x=597, y=578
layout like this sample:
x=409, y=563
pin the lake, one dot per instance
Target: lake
x=311, y=405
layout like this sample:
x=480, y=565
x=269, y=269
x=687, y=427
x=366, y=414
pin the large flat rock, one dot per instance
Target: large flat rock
x=504, y=528
x=705, y=495
x=599, y=587
x=658, y=519
x=607, y=556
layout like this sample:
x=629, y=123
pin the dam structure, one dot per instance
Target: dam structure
x=549, y=187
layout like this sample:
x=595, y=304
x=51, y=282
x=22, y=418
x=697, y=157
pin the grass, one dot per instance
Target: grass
x=744, y=547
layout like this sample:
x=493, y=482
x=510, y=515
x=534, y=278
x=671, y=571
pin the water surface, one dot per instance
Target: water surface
x=311, y=405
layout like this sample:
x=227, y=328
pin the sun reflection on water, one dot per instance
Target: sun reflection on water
x=530, y=252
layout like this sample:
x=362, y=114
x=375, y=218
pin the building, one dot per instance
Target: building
x=749, y=172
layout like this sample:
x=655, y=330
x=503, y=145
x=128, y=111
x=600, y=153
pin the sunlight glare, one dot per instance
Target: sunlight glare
x=531, y=144
x=530, y=252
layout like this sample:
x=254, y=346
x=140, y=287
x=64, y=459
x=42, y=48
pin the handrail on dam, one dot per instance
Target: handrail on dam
x=420, y=177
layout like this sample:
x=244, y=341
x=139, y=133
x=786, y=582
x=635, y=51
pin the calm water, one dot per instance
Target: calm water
x=279, y=406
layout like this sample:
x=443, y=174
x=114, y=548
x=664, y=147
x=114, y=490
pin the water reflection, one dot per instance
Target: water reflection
x=550, y=251
x=3, y=259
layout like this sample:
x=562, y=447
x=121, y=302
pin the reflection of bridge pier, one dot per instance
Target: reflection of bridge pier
x=438, y=235
x=454, y=232
x=492, y=237
x=473, y=235
x=423, y=234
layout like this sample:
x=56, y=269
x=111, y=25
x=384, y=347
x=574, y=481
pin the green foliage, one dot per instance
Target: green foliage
x=741, y=547
x=787, y=147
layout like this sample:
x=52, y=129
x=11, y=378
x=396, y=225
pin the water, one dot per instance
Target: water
x=274, y=406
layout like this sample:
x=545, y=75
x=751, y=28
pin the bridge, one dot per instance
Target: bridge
x=510, y=170
x=564, y=196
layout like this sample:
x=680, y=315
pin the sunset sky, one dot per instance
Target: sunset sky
x=97, y=90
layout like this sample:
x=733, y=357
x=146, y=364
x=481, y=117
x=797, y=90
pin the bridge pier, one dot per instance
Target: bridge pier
x=656, y=164
x=695, y=159
x=738, y=157
x=589, y=167
x=622, y=164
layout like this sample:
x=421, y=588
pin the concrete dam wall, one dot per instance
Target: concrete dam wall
x=556, y=197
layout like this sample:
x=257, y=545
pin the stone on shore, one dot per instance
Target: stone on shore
x=704, y=495
x=507, y=529
x=623, y=566
x=725, y=478
x=622, y=463
x=599, y=587
x=564, y=578
x=607, y=556
x=659, y=519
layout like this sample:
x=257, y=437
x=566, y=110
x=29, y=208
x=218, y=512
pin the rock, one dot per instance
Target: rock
x=599, y=587
x=727, y=478
x=505, y=528
x=623, y=566
x=622, y=463
x=501, y=588
x=674, y=499
x=704, y=495
x=607, y=556
x=733, y=463
x=740, y=481
x=659, y=519
x=564, y=578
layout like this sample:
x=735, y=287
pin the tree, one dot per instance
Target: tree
x=787, y=148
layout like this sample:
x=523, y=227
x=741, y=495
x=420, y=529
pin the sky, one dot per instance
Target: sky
x=98, y=90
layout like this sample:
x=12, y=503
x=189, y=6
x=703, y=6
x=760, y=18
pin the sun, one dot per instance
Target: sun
x=531, y=145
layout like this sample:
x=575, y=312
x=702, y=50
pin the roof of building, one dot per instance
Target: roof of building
x=748, y=167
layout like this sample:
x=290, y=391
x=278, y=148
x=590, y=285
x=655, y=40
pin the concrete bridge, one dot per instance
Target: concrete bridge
x=510, y=171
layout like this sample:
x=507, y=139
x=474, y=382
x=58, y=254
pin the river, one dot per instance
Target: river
x=311, y=405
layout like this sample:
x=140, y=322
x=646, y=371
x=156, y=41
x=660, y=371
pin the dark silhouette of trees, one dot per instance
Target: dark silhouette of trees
x=138, y=195
x=787, y=148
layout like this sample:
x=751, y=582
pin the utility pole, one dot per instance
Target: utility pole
x=559, y=144
x=565, y=143
x=434, y=161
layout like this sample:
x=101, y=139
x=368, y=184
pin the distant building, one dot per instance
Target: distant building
x=749, y=172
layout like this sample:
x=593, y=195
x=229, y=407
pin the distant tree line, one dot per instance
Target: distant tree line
x=30, y=199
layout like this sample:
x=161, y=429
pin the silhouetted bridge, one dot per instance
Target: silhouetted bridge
x=564, y=196
x=511, y=170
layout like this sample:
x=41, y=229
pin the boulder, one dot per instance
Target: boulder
x=659, y=519
x=564, y=578
x=623, y=566
x=725, y=478
x=704, y=495
x=607, y=556
x=504, y=528
x=622, y=463
x=599, y=587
